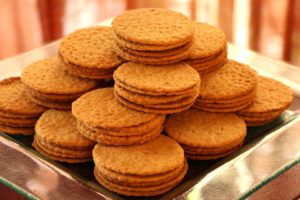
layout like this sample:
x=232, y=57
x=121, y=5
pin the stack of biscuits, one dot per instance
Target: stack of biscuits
x=140, y=170
x=272, y=98
x=111, y=123
x=205, y=135
x=209, y=49
x=227, y=89
x=88, y=53
x=49, y=85
x=152, y=36
x=18, y=114
x=57, y=138
x=165, y=89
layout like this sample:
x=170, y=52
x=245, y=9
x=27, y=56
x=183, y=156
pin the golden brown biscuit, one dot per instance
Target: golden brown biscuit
x=233, y=84
x=17, y=113
x=206, y=135
x=107, y=110
x=164, y=79
x=58, y=138
x=155, y=26
x=272, y=98
x=89, y=52
x=50, y=85
x=154, y=157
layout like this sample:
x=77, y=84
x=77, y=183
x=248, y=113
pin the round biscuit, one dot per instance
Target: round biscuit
x=142, y=108
x=159, y=54
x=271, y=95
x=41, y=149
x=207, y=130
x=231, y=80
x=127, y=131
x=16, y=130
x=59, y=128
x=154, y=157
x=118, y=140
x=137, y=180
x=142, y=190
x=208, y=40
x=148, y=99
x=151, y=60
x=15, y=102
x=163, y=79
x=90, y=48
x=46, y=75
x=62, y=151
x=153, y=26
x=100, y=108
x=146, y=47
x=50, y=104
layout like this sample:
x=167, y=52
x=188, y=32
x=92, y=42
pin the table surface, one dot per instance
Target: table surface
x=265, y=66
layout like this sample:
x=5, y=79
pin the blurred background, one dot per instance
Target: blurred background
x=269, y=27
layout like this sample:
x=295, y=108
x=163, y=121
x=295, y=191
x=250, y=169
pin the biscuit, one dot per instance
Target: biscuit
x=17, y=130
x=137, y=180
x=224, y=109
x=141, y=190
x=184, y=101
x=152, y=60
x=208, y=65
x=207, y=41
x=50, y=104
x=206, y=135
x=211, y=68
x=58, y=151
x=52, y=97
x=59, y=127
x=127, y=131
x=157, y=156
x=248, y=97
x=118, y=140
x=40, y=149
x=164, y=79
x=142, y=108
x=209, y=48
x=40, y=76
x=232, y=80
x=22, y=122
x=158, y=54
x=150, y=93
x=89, y=52
x=58, y=138
x=272, y=98
x=147, y=47
x=105, y=111
x=155, y=26
x=233, y=84
x=210, y=156
x=89, y=72
x=224, y=105
x=148, y=99
x=17, y=116
x=43, y=77
x=148, y=169
x=14, y=100
x=104, y=125
x=17, y=113
x=17, y=124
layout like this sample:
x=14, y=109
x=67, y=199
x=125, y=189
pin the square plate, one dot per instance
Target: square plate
x=268, y=151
